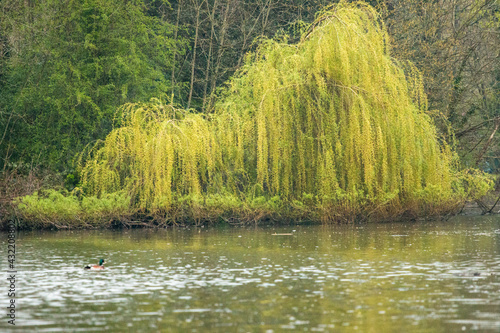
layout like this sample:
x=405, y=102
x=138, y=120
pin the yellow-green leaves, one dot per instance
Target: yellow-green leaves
x=335, y=116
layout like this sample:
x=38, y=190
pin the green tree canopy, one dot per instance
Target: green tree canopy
x=67, y=67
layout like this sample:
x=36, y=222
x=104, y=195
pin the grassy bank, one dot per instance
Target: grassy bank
x=15, y=183
x=30, y=199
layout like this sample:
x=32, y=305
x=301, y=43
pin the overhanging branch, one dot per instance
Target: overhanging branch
x=476, y=127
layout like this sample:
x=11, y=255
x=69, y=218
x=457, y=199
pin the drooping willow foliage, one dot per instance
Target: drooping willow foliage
x=330, y=127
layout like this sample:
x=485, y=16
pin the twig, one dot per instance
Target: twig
x=483, y=207
x=487, y=144
x=491, y=210
x=475, y=127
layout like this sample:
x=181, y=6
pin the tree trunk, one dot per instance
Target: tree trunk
x=193, y=63
x=209, y=59
x=175, y=51
x=220, y=50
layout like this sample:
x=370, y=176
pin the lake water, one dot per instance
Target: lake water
x=396, y=277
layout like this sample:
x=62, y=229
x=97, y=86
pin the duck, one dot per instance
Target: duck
x=96, y=267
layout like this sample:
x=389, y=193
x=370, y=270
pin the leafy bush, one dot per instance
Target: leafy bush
x=61, y=209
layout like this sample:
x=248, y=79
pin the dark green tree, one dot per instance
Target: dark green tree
x=66, y=66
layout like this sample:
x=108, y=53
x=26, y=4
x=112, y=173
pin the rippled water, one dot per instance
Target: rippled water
x=413, y=277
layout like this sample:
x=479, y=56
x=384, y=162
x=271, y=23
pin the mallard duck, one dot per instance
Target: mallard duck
x=96, y=267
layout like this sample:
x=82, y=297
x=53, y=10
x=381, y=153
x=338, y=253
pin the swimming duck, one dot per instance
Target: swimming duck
x=96, y=267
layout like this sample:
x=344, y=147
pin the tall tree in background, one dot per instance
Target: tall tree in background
x=456, y=44
x=66, y=66
x=221, y=32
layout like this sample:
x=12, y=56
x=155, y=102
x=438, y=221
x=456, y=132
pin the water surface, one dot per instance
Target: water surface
x=412, y=277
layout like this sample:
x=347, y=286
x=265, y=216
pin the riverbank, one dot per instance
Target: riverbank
x=65, y=209
x=18, y=183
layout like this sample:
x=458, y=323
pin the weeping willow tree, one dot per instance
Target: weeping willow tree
x=330, y=128
x=336, y=116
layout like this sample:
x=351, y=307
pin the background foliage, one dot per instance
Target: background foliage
x=65, y=66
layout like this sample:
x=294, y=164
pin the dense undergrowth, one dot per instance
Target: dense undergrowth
x=330, y=129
